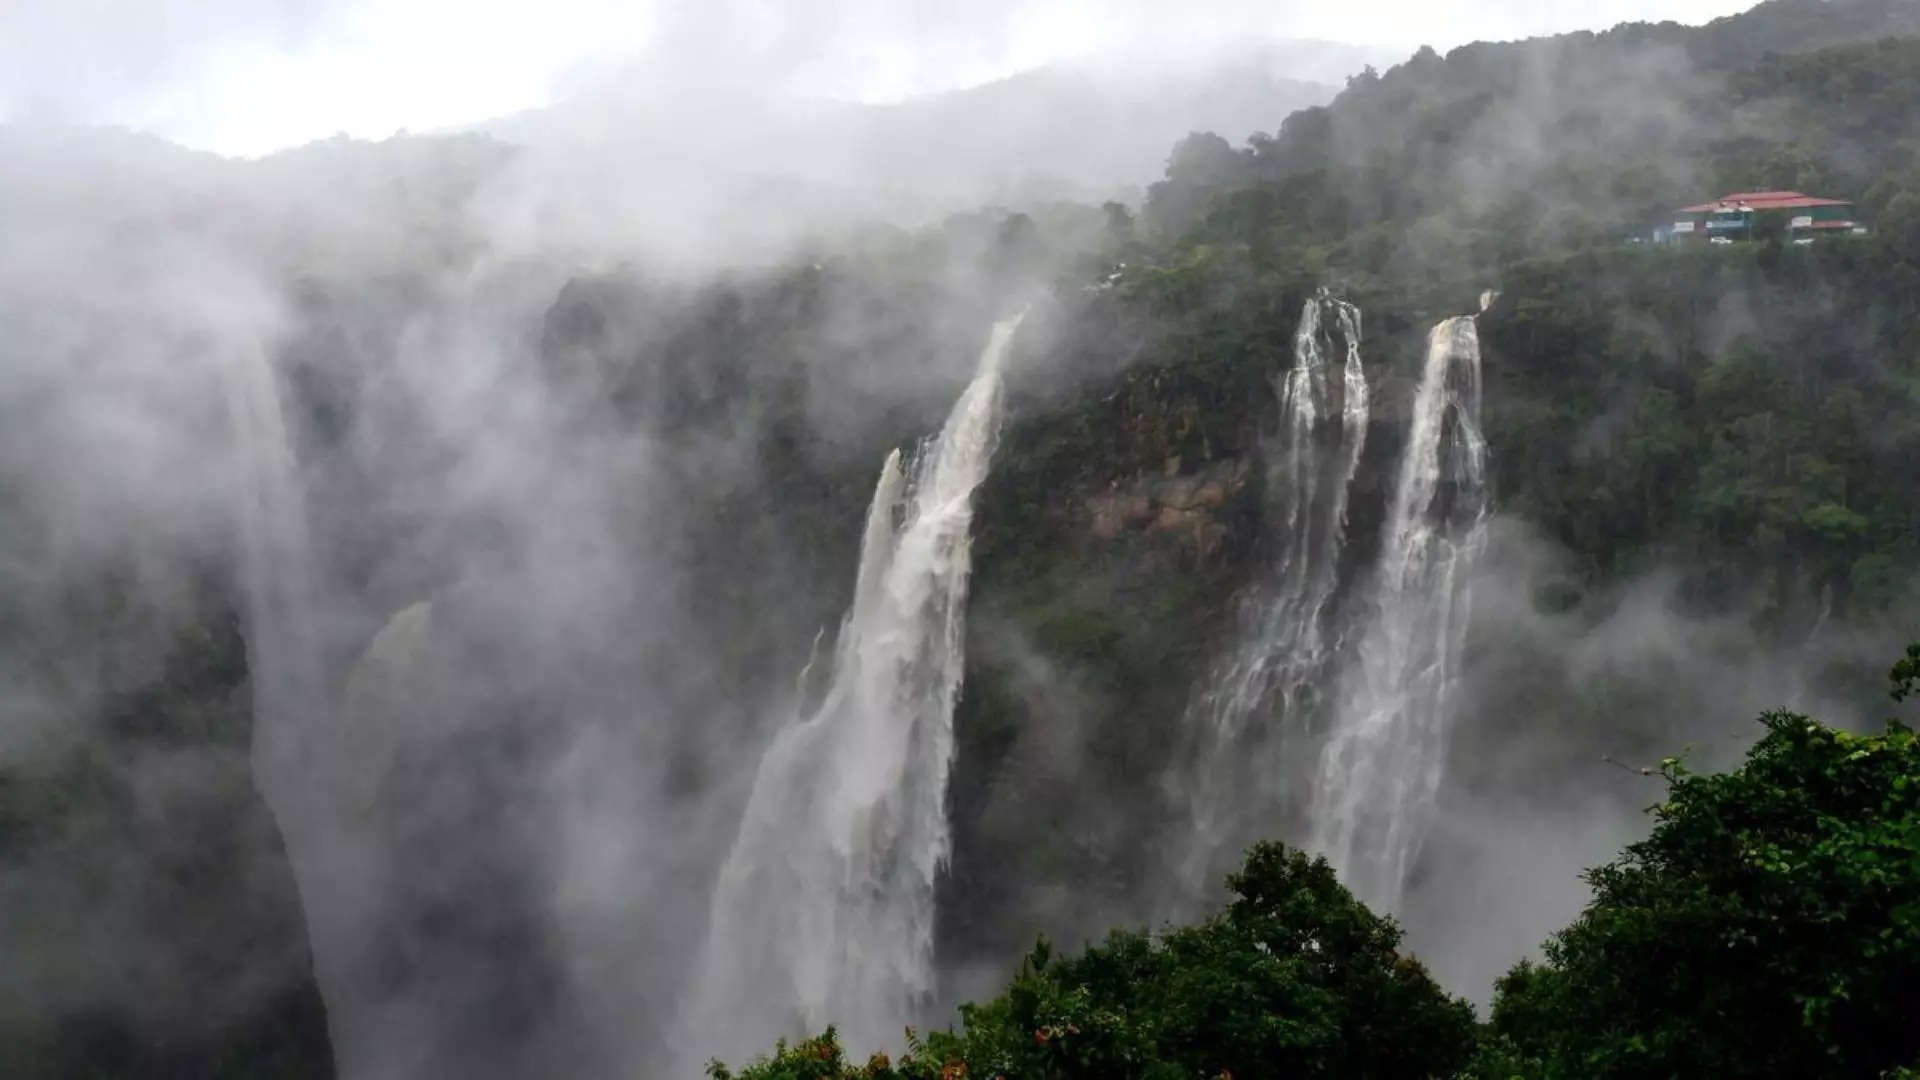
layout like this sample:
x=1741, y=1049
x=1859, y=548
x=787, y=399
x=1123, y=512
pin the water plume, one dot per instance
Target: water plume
x=824, y=909
x=1380, y=768
x=1288, y=634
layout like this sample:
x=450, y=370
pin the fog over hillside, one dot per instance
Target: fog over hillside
x=1088, y=131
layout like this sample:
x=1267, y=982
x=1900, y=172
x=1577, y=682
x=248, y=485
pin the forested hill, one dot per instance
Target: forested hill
x=1533, y=168
x=1701, y=458
x=1498, y=150
x=1702, y=464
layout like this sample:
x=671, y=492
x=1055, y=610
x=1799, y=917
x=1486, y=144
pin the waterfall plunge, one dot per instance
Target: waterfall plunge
x=282, y=647
x=291, y=760
x=1380, y=768
x=824, y=909
x=1285, y=641
x=312, y=766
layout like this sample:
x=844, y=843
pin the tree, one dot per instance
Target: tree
x=1296, y=978
x=1899, y=224
x=1770, y=925
x=1905, y=675
x=1200, y=166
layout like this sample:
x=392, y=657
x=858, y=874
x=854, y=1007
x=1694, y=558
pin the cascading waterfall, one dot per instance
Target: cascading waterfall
x=284, y=670
x=1323, y=430
x=1285, y=640
x=824, y=909
x=282, y=646
x=1380, y=768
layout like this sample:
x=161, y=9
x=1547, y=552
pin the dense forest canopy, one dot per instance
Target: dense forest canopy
x=1502, y=150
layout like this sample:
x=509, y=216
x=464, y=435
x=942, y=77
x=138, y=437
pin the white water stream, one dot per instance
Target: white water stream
x=1381, y=765
x=824, y=910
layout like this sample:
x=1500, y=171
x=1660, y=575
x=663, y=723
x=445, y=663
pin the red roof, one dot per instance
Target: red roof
x=1763, y=200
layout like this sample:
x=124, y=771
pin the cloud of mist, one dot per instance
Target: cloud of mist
x=1555, y=711
x=555, y=604
x=116, y=477
x=251, y=76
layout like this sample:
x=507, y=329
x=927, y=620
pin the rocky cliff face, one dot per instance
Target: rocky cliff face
x=151, y=921
x=1119, y=525
x=1119, y=534
x=1188, y=506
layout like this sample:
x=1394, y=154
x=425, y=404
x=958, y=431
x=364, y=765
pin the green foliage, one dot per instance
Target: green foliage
x=1651, y=434
x=1745, y=409
x=1296, y=978
x=1745, y=416
x=1770, y=925
x=1905, y=675
x=1465, y=164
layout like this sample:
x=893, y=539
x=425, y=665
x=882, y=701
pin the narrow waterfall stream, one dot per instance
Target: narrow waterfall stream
x=1287, y=630
x=284, y=672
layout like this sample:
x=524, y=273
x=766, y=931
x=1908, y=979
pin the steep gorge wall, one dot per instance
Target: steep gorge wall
x=147, y=909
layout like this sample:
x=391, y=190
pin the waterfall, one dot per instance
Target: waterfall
x=824, y=909
x=313, y=770
x=285, y=673
x=1380, y=768
x=1284, y=641
x=283, y=658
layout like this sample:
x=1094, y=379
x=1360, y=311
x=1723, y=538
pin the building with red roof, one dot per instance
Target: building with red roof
x=1745, y=215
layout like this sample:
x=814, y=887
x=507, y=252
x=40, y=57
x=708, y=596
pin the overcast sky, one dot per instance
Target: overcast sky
x=250, y=76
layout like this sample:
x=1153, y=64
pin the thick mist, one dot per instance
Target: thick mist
x=478, y=485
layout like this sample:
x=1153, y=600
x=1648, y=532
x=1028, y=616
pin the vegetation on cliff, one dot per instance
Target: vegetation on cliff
x=1740, y=419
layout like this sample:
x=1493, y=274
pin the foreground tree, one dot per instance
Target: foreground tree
x=1769, y=927
x=1296, y=978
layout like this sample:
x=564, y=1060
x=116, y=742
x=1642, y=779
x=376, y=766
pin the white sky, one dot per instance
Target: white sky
x=250, y=76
